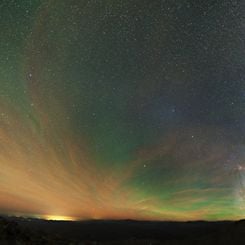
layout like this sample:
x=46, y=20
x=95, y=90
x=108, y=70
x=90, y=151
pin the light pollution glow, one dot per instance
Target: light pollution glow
x=39, y=180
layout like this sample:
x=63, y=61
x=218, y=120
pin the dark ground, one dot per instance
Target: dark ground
x=34, y=231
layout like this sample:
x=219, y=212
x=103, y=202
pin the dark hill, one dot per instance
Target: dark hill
x=15, y=230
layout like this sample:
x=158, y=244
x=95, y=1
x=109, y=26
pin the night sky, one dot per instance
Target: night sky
x=122, y=109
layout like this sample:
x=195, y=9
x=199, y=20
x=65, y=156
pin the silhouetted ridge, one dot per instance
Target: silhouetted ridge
x=18, y=230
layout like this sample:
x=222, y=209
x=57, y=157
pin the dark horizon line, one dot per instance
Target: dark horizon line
x=119, y=220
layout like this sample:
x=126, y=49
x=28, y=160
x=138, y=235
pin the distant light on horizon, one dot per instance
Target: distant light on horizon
x=58, y=218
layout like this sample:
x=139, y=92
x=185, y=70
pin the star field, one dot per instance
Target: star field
x=122, y=109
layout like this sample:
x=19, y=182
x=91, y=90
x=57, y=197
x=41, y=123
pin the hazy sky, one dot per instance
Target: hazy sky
x=123, y=109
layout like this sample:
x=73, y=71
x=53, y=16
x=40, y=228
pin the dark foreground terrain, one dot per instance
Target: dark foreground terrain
x=34, y=231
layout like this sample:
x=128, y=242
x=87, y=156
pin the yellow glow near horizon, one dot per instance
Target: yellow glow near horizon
x=59, y=218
